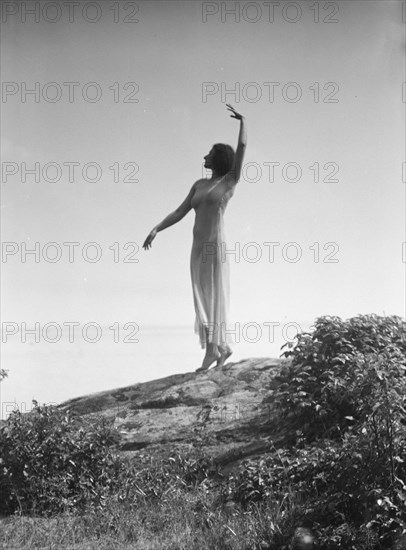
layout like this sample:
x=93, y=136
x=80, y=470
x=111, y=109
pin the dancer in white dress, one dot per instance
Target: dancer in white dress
x=208, y=263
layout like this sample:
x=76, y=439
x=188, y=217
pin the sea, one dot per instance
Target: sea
x=106, y=358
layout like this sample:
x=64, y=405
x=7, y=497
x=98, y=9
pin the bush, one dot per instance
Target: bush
x=343, y=373
x=52, y=461
x=342, y=404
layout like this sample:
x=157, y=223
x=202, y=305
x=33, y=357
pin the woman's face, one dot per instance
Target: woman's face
x=208, y=159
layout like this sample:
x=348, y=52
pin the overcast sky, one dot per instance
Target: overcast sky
x=320, y=85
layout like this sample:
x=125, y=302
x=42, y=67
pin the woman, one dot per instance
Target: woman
x=208, y=263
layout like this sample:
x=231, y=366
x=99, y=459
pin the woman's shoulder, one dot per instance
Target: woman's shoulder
x=200, y=182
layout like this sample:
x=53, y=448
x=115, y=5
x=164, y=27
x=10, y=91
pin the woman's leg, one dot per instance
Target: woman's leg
x=225, y=352
x=212, y=353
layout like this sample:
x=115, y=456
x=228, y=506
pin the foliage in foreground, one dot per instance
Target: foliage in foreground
x=52, y=461
x=342, y=470
x=342, y=405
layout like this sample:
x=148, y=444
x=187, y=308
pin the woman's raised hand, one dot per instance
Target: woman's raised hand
x=149, y=239
x=235, y=114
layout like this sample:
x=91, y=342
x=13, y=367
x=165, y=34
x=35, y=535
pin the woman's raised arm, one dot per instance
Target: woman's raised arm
x=172, y=218
x=235, y=172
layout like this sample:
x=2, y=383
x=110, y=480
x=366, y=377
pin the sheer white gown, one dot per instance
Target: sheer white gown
x=209, y=264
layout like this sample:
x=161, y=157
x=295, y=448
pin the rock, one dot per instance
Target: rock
x=232, y=403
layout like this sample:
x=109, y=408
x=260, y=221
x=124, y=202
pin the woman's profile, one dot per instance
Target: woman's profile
x=208, y=263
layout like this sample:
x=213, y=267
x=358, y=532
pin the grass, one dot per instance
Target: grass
x=186, y=520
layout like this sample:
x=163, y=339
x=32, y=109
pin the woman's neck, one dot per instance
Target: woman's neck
x=214, y=176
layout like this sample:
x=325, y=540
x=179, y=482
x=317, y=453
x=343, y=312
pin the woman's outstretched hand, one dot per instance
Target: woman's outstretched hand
x=149, y=239
x=235, y=114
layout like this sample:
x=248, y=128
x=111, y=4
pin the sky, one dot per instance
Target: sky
x=127, y=99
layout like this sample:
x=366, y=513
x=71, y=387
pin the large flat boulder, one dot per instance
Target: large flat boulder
x=232, y=403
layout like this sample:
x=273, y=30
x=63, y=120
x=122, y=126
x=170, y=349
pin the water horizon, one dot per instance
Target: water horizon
x=56, y=372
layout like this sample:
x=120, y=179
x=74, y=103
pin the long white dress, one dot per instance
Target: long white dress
x=209, y=264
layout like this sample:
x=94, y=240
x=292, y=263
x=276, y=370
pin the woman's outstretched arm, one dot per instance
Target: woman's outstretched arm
x=171, y=219
x=241, y=146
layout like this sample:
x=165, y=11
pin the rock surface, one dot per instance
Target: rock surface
x=232, y=402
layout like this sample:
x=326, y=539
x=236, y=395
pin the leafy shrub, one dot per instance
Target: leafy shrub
x=52, y=461
x=342, y=402
x=342, y=373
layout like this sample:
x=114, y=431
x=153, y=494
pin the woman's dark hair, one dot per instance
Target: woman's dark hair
x=223, y=158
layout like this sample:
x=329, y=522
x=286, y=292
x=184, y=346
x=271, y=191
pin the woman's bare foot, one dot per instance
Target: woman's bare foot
x=209, y=358
x=224, y=355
